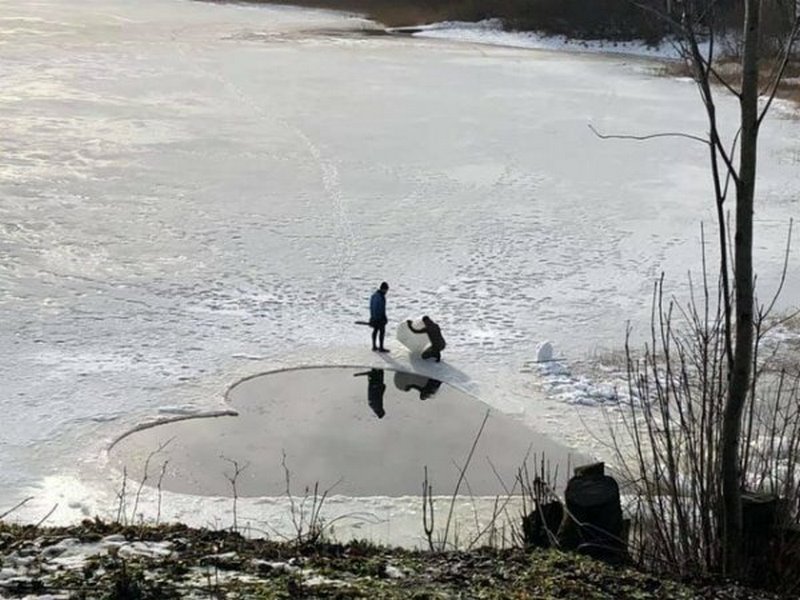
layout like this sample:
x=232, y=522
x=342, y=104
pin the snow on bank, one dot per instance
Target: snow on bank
x=558, y=381
x=490, y=31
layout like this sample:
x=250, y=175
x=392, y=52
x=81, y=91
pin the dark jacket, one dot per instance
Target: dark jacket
x=377, y=309
x=434, y=335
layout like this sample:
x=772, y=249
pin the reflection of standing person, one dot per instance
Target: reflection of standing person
x=375, y=390
x=434, y=335
x=377, y=317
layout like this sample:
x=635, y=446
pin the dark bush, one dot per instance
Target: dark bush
x=586, y=19
x=583, y=19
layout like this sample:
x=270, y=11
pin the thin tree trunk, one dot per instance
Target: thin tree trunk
x=743, y=258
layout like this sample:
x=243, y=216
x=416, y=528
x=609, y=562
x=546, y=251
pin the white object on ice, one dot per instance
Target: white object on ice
x=544, y=352
x=415, y=342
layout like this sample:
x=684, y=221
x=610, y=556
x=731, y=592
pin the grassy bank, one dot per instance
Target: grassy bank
x=100, y=560
x=730, y=69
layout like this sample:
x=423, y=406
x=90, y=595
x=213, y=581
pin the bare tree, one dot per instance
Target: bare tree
x=739, y=335
x=696, y=29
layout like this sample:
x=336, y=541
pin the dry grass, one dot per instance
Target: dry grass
x=208, y=564
x=729, y=69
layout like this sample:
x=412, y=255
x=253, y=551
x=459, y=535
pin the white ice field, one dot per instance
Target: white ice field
x=192, y=193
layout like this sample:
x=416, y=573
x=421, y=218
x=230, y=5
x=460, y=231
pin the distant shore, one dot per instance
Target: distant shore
x=612, y=20
x=561, y=27
x=389, y=14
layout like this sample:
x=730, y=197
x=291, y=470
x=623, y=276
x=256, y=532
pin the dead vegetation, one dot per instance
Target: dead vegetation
x=121, y=562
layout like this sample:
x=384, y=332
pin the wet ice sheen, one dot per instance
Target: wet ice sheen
x=185, y=186
x=359, y=432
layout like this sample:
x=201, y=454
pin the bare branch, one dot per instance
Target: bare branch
x=730, y=173
x=787, y=53
x=722, y=81
x=427, y=509
x=708, y=61
x=648, y=137
x=463, y=474
x=15, y=507
x=765, y=313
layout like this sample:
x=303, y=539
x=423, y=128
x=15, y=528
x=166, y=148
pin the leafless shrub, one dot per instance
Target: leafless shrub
x=123, y=516
x=536, y=492
x=443, y=541
x=310, y=526
x=146, y=475
x=233, y=480
x=122, y=496
x=502, y=527
x=667, y=444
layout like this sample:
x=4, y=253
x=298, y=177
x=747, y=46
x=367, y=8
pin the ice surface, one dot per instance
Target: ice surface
x=193, y=193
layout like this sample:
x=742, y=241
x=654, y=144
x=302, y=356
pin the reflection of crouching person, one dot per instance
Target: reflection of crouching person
x=434, y=335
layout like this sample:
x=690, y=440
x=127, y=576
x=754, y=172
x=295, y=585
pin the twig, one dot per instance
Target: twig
x=237, y=470
x=121, y=512
x=651, y=136
x=427, y=505
x=29, y=532
x=145, y=475
x=158, y=487
x=461, y=476
x=787, y=54
x=15, y=507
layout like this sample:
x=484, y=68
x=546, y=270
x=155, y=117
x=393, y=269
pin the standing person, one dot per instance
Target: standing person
x=377, y=317
x=434, y=335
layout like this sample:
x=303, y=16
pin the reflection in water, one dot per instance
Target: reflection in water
x=316, y=419
x=426, y=386
x=375, y=390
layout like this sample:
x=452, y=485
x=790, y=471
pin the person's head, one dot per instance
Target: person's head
x=384, y=287
x=426, y=319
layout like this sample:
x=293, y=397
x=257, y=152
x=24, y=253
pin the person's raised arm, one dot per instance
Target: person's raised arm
x=411, y=327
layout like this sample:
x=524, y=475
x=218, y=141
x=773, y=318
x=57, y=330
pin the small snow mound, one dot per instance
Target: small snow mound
x=544, y=352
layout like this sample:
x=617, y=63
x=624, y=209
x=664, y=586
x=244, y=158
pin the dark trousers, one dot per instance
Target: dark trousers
x=432, y=353
x=379, y=332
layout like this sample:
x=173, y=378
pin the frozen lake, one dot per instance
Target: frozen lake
x=193, y=193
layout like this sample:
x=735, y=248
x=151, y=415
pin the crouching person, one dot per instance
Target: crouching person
x=434, y=335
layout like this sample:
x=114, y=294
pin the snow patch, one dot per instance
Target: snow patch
x=491, y=32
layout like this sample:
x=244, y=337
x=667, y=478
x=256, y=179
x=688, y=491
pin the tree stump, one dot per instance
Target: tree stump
x=593, y=523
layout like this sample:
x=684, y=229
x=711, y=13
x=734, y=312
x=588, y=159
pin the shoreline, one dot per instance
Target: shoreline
x=491, y=31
